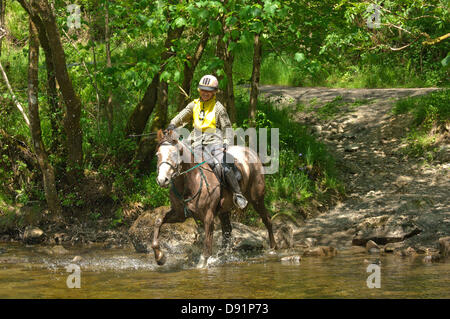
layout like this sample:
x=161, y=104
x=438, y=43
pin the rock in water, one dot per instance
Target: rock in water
x=385, y=229
x=175, y=239
x=372, y=247
x=243, y=239
x=321, y=251
x=291, y=259
x=444, y=246
x=371, y=244
x=59, y=250
x=33, y=235
x=284, y=236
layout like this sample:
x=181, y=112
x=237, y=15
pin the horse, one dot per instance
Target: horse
x=196, y=190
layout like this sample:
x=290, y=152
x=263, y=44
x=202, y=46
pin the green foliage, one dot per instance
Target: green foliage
x=117, y=220
x=70, y=200
x=148, y=192
x=431, y=114
x=330, y=109
x=429, y=110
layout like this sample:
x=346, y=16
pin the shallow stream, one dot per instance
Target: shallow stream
x=29, y=272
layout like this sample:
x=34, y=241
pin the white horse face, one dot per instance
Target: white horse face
x=168, y=162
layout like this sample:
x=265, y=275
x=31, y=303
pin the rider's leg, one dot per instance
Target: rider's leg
x=221, y=164
x=238, y=199
x=214, y=156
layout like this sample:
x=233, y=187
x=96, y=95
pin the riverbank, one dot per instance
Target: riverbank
x=392, y=198
x=395, y=201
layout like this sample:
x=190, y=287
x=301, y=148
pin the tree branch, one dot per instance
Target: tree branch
x=437, y=40
x=19, y=106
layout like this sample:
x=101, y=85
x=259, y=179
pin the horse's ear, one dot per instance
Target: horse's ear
x=172, y=137
x=159, y=135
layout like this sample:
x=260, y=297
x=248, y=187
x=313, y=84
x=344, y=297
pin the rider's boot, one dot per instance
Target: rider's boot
x=238, y=199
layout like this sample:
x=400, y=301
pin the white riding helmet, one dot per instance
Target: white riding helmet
x=208, y=83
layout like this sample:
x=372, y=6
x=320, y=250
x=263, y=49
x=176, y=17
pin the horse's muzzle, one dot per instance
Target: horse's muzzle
x=162, y=182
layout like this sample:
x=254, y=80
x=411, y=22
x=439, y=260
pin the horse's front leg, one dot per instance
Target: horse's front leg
x=208, y=242
x=170, y=216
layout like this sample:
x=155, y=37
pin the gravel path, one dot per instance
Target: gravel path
x=391, y=198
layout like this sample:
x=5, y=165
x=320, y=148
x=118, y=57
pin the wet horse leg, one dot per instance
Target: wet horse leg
x=207, y=244
x=170, y=216
x=226, y=229
x=262, y=211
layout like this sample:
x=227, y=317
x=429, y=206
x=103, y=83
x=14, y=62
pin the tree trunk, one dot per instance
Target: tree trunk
x=73, y=104
x=48, y=172
x=227, y=96
x=146, y=148
x=56, y=118
x=55, y=115
x=138, y=119
x=189, y=69
x=229, y=93
x=160, y=113
x=257, y=51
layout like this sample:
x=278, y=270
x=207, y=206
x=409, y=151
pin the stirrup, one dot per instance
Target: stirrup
x=239, y=200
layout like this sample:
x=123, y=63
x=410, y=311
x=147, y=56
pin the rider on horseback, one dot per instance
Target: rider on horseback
x=212, y=133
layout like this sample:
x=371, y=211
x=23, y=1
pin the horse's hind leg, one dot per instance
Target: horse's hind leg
x=262, y=211
x=170, y=216
x=226, y=229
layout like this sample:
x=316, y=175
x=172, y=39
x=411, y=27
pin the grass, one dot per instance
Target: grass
x=376, y=76
x=371, y=71
x=431, y=117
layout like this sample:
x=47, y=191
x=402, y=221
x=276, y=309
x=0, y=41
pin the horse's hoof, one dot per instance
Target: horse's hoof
x=160, y=258
x=161, y=261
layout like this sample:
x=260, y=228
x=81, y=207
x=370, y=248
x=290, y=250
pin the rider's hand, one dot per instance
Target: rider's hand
x=171, y=127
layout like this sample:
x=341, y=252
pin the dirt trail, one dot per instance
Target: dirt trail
x=391, y=198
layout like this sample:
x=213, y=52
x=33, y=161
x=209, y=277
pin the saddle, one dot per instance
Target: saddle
x=219, y=169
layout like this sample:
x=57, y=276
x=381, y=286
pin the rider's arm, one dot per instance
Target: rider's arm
x=184, y=116
x=224, y=123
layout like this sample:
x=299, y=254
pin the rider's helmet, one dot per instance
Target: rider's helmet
x=208, y=83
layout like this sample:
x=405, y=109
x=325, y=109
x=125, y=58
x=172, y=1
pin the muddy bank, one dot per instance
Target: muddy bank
x=392, y=199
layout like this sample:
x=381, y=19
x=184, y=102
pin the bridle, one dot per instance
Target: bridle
x=176, y=168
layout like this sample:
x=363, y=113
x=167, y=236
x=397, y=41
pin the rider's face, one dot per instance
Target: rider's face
x=206, y=95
